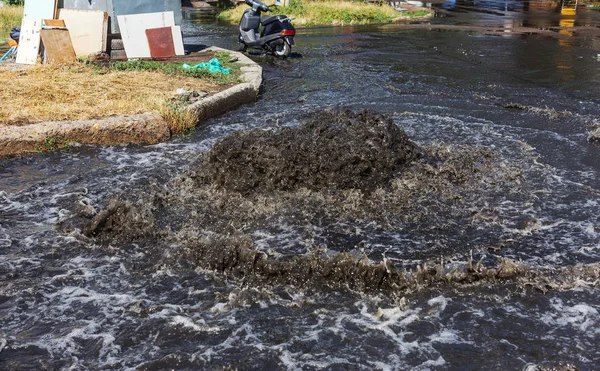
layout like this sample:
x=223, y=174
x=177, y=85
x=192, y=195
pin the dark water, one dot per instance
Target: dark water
x=67, y=303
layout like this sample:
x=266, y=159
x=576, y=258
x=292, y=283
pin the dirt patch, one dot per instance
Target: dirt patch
x=330, y=149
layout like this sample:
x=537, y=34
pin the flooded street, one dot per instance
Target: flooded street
x=482, y=252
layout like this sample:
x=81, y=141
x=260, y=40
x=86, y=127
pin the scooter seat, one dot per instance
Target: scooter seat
x=268, y=19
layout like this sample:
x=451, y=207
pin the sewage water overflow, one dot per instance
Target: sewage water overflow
x=506, y=176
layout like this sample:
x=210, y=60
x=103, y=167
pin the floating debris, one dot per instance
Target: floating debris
x=335, y=167
x=594, y=132
x=547, y=112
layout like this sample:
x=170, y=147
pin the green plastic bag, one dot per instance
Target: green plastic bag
x=213, y=66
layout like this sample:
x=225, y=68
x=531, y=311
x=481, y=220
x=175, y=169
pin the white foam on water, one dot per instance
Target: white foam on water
x=5, y=239
x=582, y=317
x=441, y=302
x=391, y=323
x=446, y=336
x=66, y=345
x=70, y=295
x=220, y=308
x=196, y=325
x=288, y=361
x=286, y=239
x=440, y=361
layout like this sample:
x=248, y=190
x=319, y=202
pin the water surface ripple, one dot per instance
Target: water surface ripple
x=67, y=302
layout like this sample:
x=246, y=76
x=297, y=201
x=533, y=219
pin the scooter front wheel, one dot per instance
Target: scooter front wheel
x=282, y=50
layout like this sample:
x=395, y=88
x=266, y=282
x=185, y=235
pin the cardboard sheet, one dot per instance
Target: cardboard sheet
x=29, y=41
x=58, y=46
x=88, y=29
x=133, y=31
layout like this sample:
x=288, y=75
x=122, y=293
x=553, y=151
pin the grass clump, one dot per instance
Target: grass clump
x=328, y=12
x=52, y=144
x=10, y=16
x=180, y=120
x=175, y=69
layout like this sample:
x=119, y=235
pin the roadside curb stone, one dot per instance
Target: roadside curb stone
x=235, y=96
x=147, y=128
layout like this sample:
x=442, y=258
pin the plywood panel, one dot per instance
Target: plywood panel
x=178, y=40
x=58, y=46
x=160, y=41
x=88, y=30
x=49, y=23
x=29, y=41
x=39, y=9
x=133, y=31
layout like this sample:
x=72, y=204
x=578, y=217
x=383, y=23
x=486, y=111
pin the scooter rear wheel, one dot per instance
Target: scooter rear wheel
x=282, y=50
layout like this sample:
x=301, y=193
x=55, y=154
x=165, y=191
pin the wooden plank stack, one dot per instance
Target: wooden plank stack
x=48, y=35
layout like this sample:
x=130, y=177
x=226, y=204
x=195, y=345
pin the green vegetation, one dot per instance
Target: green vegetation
x=180, y=119
x=177, y=70
x=10, y=16
x=51, y=144
x=329, y=12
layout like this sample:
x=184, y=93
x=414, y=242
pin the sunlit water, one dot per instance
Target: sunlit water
x=65, y=303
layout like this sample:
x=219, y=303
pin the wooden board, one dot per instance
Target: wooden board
x=58, y=46
x=88, y=30
x=178, y=40
x=53, y=23
x=29, y=41
x=39, y=9
x=160, y=41
x=133, y=31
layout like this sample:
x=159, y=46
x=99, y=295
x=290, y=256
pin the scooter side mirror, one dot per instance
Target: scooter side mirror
x=277, y=3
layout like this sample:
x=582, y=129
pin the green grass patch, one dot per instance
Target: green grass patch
x=177, y=69
x=328, y=12
x=52, y=144
x=10, y=16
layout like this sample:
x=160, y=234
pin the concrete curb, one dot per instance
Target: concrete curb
x=235, y=96
x=148, y=128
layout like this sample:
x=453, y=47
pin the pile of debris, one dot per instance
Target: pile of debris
x=338, y=149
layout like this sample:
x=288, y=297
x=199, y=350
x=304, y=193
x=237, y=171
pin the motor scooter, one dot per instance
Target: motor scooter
x=274, y=34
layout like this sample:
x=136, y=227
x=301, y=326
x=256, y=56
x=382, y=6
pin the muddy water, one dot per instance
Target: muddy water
x=523, y=101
